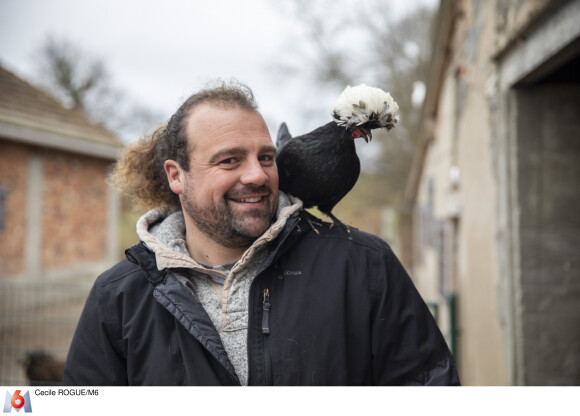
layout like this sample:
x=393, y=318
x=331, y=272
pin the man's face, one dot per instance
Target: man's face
x=231, y=189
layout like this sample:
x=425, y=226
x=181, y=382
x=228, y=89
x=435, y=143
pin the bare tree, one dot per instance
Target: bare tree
x=82, y=81
x=60, y=65
x=362, y=42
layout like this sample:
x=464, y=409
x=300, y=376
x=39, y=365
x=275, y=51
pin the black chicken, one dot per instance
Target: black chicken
x=322, y=166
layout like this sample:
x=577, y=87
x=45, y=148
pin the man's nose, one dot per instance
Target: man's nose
x=254, y=173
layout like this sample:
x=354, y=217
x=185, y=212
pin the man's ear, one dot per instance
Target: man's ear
x=175, y=176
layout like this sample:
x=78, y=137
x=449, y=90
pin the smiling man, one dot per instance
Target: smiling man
x=229, y=286
x=229, y=191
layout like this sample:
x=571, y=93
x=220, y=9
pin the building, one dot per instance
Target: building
x=493, y=189
x=58, y=216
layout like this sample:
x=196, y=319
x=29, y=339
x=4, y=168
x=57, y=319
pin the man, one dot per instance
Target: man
x=230, y=286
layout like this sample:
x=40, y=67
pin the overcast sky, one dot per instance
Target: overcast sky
x=159, y=52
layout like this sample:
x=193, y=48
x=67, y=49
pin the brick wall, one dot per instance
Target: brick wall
x=13, y=179
x=72, y=210
x=74, y=215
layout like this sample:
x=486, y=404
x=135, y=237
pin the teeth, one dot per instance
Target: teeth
x=258, y=199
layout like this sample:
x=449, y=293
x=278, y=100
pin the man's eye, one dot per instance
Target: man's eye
x=229, y=161
x=266, y=158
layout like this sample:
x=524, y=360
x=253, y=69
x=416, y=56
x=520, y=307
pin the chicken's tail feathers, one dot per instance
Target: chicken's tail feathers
x=365, y=107
x=283, y=136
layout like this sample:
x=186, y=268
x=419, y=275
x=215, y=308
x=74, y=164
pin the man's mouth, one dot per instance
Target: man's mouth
x=248, y=200
x=255, y=198
x=250, y=195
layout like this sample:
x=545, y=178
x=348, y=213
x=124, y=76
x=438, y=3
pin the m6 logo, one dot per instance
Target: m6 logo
x=17, y=402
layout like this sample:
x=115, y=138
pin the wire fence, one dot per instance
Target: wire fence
x=37, y=322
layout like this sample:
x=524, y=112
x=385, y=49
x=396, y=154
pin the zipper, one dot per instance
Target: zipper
x=266, y=336
x=253, y=304
x=266, y=313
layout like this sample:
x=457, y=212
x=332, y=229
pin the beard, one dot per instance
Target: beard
x=225, y=226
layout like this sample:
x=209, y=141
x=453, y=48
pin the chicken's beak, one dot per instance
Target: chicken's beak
x=364, y=133
x=367, y=135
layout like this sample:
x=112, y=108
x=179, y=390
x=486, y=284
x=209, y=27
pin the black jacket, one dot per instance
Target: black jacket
x=328, y=309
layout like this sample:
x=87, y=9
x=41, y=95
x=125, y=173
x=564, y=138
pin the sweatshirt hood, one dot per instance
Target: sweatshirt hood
x=163, y=231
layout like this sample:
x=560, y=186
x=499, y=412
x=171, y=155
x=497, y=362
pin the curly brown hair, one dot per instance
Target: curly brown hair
x=139, y=172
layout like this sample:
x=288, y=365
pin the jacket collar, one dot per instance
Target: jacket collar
x=143, y=256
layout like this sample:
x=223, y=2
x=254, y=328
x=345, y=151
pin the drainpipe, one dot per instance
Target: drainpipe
x=452, y=304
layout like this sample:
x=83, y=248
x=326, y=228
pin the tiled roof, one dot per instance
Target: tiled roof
x=29, y=114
